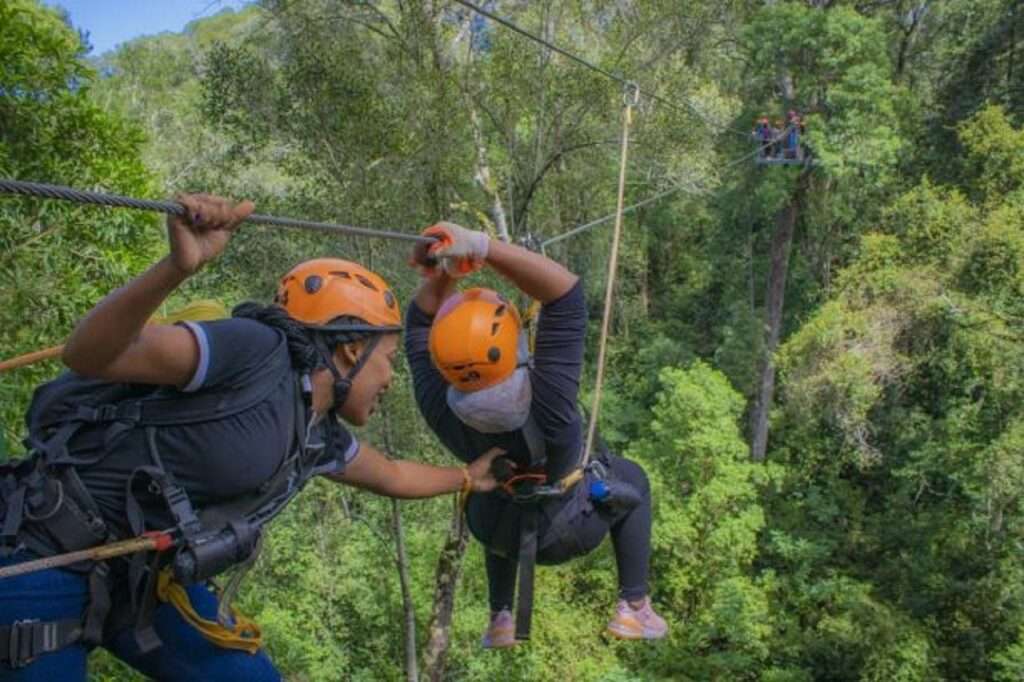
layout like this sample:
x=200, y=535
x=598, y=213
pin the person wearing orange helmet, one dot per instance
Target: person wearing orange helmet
x=478, y=386
x=208, y=429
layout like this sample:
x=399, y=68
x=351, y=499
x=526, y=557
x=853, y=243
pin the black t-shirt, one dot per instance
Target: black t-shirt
x=218, y=459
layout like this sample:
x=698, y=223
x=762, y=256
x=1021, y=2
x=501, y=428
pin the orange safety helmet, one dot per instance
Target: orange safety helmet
x=318, y=292
x=474, y=340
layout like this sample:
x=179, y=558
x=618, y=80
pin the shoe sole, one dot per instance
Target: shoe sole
x=632, y=635
x=499, y=644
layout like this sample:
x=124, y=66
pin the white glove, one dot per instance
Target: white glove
x=462, y=251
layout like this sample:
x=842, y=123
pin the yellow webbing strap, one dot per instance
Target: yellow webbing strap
x=571, y=479
x=245, y=635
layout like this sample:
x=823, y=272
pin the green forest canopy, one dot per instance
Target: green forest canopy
x=880, y=535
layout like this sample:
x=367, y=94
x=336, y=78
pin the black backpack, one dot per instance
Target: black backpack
x=47, y=508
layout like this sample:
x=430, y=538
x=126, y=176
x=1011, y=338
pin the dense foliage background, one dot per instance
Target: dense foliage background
x=876, y=536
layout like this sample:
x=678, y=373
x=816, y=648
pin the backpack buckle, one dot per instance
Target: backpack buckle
x=105, y=413
x=112, y=412
x=181, y=509
x=19, y=643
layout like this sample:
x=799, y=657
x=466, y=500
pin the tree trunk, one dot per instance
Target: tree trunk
x=402, y=563
x=1015, y=12
x=483, y=178
x=408, y=608
x=910, y=20
x=782, y=242
x=449, y=566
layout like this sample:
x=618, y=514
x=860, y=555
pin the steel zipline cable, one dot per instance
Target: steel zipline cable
x=689, y=188
x=629, y=209
x=38, y=189
x=687, y=106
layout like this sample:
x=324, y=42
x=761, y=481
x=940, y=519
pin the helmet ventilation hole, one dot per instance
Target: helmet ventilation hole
x=313, y=284
x=366, y=283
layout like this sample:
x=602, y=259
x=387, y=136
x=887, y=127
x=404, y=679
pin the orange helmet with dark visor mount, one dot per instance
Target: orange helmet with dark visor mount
x=318, y=292
x=474, y=340
x=333, y=295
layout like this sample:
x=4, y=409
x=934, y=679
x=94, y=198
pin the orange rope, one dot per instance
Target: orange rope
x=29, y=358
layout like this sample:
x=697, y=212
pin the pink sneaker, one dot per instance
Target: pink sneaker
x=501, y=633
x=641, y=623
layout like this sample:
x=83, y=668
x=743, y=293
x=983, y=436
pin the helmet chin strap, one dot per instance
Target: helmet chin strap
x=343, y=383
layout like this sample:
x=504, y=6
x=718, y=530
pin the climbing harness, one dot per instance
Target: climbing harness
x=528, y=490
x=48, y=510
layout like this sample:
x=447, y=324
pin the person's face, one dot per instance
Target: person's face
x=372, y=379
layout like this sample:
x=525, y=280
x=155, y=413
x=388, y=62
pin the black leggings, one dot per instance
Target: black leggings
x=631, y=537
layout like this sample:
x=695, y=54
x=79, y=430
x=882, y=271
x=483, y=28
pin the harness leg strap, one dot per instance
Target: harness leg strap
x=26, y=640
x=99, y=604
x=527, y=562
x=146, y=638
x=12, y=520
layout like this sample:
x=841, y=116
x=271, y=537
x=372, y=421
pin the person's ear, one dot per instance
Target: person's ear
x=347, y=354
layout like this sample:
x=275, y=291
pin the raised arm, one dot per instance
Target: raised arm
x=464, y=250
x=535, y=275
x=113, y=342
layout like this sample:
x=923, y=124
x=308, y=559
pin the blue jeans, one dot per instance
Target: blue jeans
x=185, y=654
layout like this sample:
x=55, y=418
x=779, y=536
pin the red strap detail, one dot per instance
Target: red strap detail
x=163, y=540
x=508, y=486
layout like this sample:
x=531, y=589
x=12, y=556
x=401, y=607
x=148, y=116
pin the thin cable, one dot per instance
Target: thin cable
x=613, y=262
x=593, y=67
x=657, y=197
x=38, y=189
x=629, y=209
x=206, y=9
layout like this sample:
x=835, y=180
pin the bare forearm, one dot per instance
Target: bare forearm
x=414, y=480
x=535, y=275
x=115, y=322
x=405, y=479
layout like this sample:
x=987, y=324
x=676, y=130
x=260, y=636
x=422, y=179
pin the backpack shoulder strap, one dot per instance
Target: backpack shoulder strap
x=169, y=407
x=164, y=407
